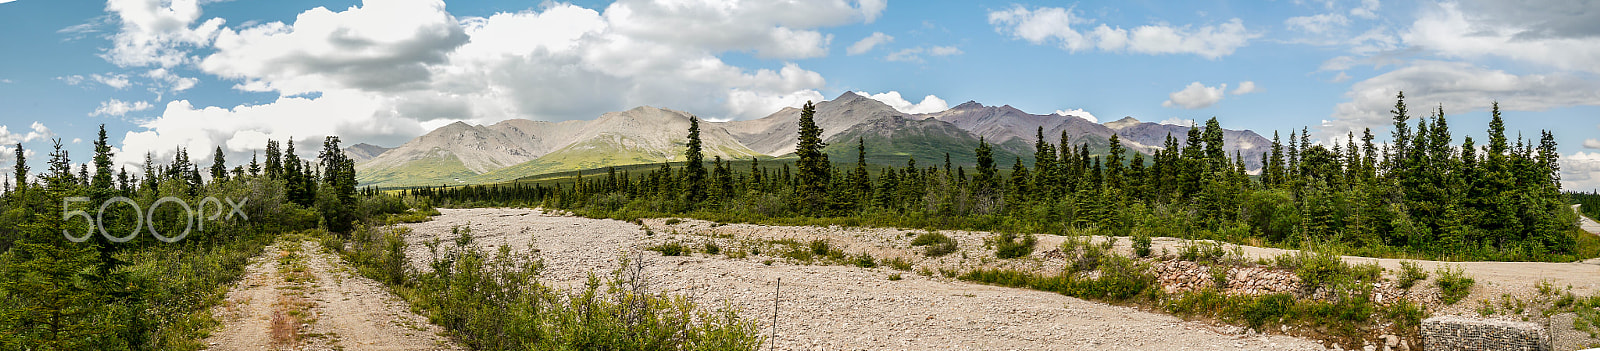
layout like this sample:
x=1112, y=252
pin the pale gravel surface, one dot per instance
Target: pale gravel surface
x=1588, y=225
x=841, y=307
x=349, y=311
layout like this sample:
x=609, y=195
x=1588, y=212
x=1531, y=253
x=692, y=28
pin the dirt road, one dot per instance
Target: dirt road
x=297, y=297
x=1588, y=225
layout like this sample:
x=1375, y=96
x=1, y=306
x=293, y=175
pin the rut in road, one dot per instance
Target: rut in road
x=297, y=297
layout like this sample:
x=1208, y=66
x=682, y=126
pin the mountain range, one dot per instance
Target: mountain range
x=459, y=153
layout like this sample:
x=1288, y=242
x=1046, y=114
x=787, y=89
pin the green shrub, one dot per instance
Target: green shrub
x=1405, y=315
x=1121, y=278
x=1141, y=245
x=819, y=247
x=1453, y=283
x=1271, y=308
x=898, y=264
x=865, y=261
x=1201, y=251
x=894, y=277
x=936, y=244
x=1410, y=273
x=673, y=221
x=1219, y=276
x=1081, y=255
x=711, y=248
x=1317, y=269
x=1007, y=245
x=670, y=249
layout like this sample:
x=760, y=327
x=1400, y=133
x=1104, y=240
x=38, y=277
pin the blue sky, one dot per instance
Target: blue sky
x=203, y=74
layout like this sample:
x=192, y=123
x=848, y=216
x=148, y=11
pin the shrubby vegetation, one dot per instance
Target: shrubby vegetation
x=1422, y=195
x=145, y=294
x=494, y=301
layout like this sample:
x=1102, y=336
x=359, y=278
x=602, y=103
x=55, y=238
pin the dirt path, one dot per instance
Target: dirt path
x=297, y=297
x=841, y=307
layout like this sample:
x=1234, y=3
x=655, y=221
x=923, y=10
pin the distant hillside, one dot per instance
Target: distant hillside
x=1152, y=136
x=519, y=149
x=641, y=135
x=364, y=151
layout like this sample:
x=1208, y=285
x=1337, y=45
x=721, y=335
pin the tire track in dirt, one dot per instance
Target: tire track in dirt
x=331, y=308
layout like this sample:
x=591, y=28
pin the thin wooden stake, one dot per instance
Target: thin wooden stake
x=775, y=290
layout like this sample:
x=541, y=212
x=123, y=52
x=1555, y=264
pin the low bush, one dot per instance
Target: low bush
x=1454, y=284
x=898, y=263
x=1010, y=245
x=670, y=249
x=936, y=244
x=711, y=248
x=1317, y=269
x=1410, y=273
x=1141, y=245
x=865, y=261
x=1271, y=308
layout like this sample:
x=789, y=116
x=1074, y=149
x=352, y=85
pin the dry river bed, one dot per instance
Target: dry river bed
x=841, y=307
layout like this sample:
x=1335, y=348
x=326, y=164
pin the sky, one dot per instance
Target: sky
x=202, y=74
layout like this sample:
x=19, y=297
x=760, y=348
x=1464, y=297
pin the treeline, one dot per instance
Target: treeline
x=1421, y=195
x=77, y=270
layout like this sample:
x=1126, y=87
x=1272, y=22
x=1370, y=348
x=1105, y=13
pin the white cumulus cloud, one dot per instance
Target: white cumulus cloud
x=384, y=71
x=929, y=103
x=1055, y=24
x=866, y=44
x=1080, y=113
x=1195, y=96
x=119, y=108
x=1245, y=87
x=157, y=32
x=1580, y=171
x=1458, y=86
x=1539, y=32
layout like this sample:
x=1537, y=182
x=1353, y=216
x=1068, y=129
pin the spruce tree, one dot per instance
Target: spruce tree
x=219, y=166
x=1274, y=163
x=60, y=168
x=20, y=169
x=860, y=183
x=814, y=167
x=339, y=177
x=1114, y=163
x=985, y=181
x=102, y=166
x=1401, y=137
x=694, y=170
x=255, y=167
x=275, y=166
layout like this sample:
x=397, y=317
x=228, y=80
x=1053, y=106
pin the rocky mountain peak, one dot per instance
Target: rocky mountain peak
x=1125, y=122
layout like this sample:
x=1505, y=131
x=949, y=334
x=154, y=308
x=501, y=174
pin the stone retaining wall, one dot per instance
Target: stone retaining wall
x=1457, y=333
